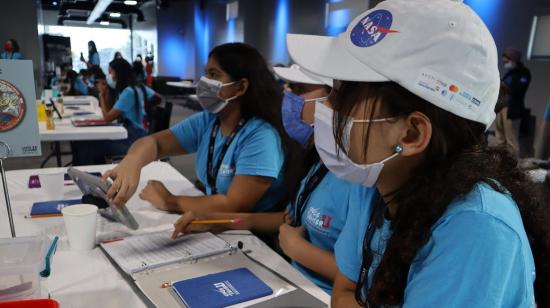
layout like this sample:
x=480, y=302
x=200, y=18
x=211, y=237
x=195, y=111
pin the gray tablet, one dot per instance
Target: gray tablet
x=92, y=185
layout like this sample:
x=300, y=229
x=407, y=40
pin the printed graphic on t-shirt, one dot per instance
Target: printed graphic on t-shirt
x=318, y=220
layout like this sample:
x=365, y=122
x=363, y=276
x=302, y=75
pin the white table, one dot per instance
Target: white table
x=65, y=131
x=182, y=84
x=88, y=279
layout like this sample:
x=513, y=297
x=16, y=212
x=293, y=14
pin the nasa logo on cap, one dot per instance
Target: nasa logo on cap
x=372, y=28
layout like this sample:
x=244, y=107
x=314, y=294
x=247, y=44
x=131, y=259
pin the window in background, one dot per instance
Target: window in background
x=108, y=41
x=539, y=42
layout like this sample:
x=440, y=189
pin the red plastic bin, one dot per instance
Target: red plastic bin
x=33, y=303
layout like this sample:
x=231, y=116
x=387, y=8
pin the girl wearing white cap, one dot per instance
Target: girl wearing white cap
x=420, y=83
x=318, y=210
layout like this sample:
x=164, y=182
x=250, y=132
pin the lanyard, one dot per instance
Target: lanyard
x=367, y=257
x=212, y=172
x=311, y=183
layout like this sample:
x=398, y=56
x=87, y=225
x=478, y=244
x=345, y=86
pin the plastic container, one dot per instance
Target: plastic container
x=21, y=260
x=33, y=303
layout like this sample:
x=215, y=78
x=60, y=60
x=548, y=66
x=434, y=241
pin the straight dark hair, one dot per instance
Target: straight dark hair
x=263, y=97
x=456, y=159
x=125, y=75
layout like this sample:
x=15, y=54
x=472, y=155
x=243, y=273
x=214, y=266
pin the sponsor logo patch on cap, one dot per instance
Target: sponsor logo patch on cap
x=372, y=28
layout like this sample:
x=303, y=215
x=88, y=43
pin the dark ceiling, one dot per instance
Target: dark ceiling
x=79, y=10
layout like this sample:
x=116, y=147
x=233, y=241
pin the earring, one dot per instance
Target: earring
x=399, y=149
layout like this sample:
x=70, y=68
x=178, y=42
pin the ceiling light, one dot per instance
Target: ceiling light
x=54, y=3
x=116, y=15
x=130, y=2
x=104, y=23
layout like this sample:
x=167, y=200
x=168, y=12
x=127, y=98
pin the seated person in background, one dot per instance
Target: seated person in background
x=139, y=69
x=84, y=76
x=72, y=85
x=129, y=108
x=310, y=227
x=11, y=51
x=238, y=138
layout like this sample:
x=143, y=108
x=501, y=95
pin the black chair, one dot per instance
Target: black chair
x=161, y=118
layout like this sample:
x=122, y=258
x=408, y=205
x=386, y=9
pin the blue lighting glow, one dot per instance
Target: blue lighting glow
x=202, y=38
x=231, y=29
x=488, y=10
x=280, y=54
x=338, y=21
x=178, y=51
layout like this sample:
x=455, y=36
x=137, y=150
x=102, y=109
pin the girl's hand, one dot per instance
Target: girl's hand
x=291, y=238
x=156, y=193
x=184, y=224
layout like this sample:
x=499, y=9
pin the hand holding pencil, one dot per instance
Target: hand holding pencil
x=191, y=222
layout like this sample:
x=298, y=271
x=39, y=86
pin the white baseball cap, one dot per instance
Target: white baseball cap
x=295, y=73
x=439, y=50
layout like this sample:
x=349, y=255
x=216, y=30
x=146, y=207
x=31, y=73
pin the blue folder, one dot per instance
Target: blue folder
x=51, y=208
x=221, y=289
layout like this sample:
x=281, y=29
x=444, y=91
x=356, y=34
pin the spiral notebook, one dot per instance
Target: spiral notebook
x=138, y=253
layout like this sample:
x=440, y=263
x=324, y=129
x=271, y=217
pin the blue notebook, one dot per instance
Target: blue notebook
x=51, y=208
x=221, y=289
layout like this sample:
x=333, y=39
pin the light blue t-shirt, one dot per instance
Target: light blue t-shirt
x=11, y=55
x=94, y=59
x=324, y=216
x=256, y=150
x=127, y=105
x=547, y=113
x=478, y=254
x=81, y=86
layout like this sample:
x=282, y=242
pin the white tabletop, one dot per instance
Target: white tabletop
x=88, y=279
x=181, y=84
x=65, y=131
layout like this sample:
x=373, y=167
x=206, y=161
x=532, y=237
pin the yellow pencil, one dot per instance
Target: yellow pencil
x=217, y=221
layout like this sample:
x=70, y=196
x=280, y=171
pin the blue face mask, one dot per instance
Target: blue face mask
x=294, y=126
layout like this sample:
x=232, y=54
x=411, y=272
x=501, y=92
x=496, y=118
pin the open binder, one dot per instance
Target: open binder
x=138, y=258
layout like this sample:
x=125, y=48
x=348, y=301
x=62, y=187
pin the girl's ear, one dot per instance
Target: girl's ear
x=242, y=87
x=417, y=134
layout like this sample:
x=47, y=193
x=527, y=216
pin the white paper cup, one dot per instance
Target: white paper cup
x=52, y=184
x=80, y=222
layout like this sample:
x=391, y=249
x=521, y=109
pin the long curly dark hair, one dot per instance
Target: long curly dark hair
x=456, y=159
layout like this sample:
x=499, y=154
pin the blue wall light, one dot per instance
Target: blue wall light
x=280, y=54
x=179, y=52
x=202, y=39
x=488, y=10
x=231, y=29
x=337, y=21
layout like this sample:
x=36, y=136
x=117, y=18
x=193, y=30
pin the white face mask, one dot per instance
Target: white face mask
x=110, y=82
x=339, y=163
x=208, y=94
x=508, y=65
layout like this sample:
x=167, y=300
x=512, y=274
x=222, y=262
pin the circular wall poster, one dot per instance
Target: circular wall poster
x=12, y=106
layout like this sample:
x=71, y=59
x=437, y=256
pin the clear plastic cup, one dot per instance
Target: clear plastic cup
x=80, y=222
x=52, y=183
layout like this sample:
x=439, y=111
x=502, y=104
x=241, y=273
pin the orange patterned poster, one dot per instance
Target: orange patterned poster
x=18, y=122
x=12, y=106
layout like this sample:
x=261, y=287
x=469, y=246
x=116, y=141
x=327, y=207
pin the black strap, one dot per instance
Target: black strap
x=136, y=101
x=366, y=263
x=212, y=171
x=311, y=183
